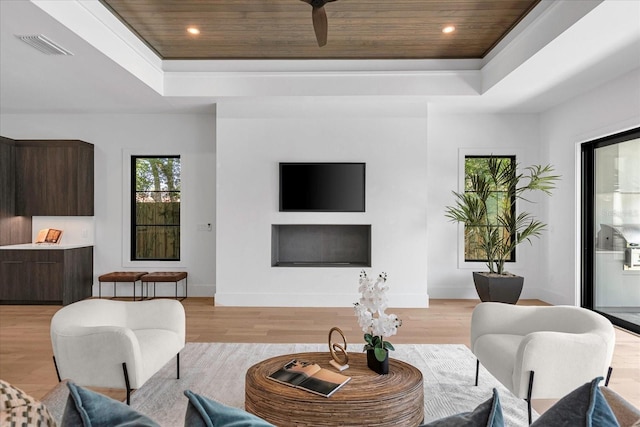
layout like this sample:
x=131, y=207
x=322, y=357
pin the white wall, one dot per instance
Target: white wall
x=412, y=164
x=449, y=136
x=609, y=109
x=391, y=137
x=190, y=136
x=76, y=230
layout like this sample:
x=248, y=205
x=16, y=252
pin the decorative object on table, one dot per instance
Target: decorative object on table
x=375, y=323
x=491, y=193
x=339, y=355
x=309, y=376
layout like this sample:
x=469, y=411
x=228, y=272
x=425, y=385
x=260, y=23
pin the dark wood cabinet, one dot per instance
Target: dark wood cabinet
x=45, y=276
x=54, y=178
x=13, y=229
x=7, y=181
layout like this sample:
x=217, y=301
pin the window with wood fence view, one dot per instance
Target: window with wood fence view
x=155, y=208
x=487, y=179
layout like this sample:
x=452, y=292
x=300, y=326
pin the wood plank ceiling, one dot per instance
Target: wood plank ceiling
x=283, y=29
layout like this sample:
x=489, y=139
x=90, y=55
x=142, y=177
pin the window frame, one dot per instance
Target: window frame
x=133, y=217
x=586, y=286
x=513, y=200
x=127, y=154
x=463, y=153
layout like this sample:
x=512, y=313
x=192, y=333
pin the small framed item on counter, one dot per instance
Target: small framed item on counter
x=49, y=236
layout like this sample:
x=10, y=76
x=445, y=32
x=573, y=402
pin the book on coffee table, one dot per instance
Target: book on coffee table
x=310, y=377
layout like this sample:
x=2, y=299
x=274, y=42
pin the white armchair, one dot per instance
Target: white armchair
x=116, y=344
x=563, y=346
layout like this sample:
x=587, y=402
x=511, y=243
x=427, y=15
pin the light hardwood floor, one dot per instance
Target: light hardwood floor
x=26, y=355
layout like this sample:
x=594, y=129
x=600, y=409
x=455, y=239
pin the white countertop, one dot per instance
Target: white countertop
x=30, y=246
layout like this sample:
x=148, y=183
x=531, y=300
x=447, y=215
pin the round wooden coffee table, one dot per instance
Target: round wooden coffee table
x=368, y=399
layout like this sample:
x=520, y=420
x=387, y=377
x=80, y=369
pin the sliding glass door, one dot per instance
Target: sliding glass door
x=611, y=228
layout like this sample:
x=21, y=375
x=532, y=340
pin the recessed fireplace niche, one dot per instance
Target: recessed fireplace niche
x=320, y=245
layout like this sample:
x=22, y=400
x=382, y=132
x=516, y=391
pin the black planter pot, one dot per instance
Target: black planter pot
x=498, y=288
x=375, y=365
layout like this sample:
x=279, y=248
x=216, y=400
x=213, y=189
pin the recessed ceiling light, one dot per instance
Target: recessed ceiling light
x=448, y=29
x=193, y=30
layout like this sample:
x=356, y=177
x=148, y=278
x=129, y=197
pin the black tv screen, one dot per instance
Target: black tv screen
x=322, y=187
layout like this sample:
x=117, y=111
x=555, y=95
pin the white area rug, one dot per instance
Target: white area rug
x=217, y=371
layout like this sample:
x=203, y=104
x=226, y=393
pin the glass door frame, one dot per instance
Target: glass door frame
x=588, y=238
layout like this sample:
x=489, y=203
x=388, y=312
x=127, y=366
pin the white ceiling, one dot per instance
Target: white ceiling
x=563, y=48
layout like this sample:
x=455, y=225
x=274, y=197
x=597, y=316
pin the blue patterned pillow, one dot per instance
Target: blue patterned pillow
x=584, y=406
x=90, y=409
x=206, y=412
x=487, y=414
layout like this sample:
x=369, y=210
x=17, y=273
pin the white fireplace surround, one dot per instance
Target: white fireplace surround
x=253, y=138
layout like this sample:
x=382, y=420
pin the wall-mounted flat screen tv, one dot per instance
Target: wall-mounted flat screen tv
x=322, y=187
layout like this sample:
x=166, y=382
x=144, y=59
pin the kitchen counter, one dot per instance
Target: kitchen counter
x=32, y=246
x=45, y=274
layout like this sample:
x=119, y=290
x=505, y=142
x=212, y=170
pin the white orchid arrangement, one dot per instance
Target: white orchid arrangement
x=375, y=324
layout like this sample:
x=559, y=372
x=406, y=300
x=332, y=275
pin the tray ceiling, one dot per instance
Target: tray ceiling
x=357, y=29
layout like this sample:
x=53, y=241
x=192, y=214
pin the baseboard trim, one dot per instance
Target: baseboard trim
x=313, y=300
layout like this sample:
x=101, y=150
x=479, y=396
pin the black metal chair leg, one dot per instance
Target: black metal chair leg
x=126, y=382
x=178, y=364
x=56, y=366
x=477, y=370
x=609, y=372
x=529, y=393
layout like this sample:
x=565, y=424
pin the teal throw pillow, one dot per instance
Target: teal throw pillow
x=206, y=412
x=585, y=406
x=90, y=409
x=487, y=414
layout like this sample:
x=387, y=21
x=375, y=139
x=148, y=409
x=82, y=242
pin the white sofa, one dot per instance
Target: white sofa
x=116, y=344
x=541, y=352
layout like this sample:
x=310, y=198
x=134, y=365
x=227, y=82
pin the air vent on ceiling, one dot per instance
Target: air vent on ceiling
x=44, y=45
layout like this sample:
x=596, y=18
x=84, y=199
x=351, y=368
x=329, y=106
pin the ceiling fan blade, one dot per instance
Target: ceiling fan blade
x=320, y=25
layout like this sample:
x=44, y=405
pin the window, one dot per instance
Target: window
x=498, y=200
x=155, y=208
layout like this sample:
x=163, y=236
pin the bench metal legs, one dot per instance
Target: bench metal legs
x=186, y=287
x=114, y=289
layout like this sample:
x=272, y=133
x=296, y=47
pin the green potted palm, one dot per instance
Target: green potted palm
x=493, y=229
